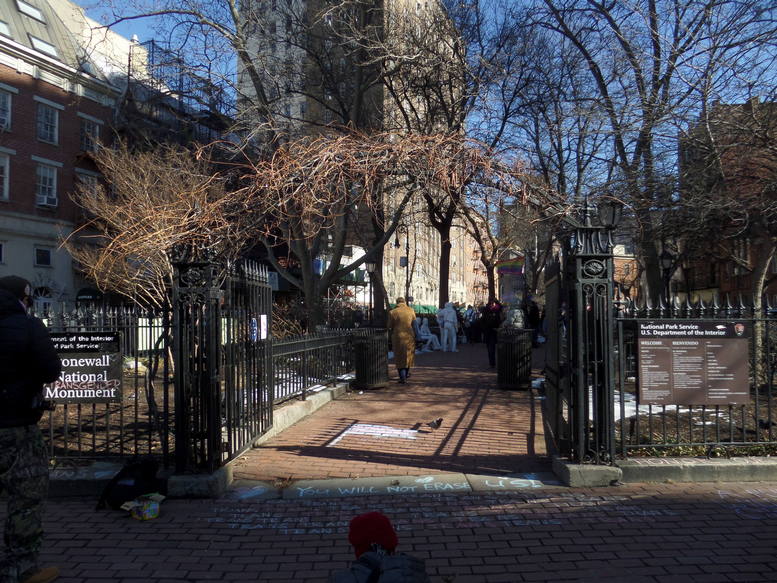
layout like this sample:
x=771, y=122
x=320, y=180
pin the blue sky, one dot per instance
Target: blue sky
x=97, y=11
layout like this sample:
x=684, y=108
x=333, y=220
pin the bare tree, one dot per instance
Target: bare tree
x=651, y=62
x=311, y=187
x=154, y=201
x=729, y=176
x=307, y=192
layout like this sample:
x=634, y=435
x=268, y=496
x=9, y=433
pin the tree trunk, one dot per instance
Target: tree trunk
x=445, y=264
x=491, y=279
x=759, y=279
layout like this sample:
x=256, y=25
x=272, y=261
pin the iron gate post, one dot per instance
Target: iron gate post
x=196, y=348
x=590, y=270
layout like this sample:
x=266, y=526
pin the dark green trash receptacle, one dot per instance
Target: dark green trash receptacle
x=371, y=361
x=513, y=358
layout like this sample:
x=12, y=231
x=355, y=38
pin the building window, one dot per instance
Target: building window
x=46, y=185
x=5, y=167
x=48, y=121
x=42, y=257
x=4, y=28
x=2, y=252
x=773, y=264
x=29, y=10
x=5, y=110
x=90, y=135
x=45, y=47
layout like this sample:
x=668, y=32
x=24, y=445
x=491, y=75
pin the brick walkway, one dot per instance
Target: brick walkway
x=634, y=534
x=383, y=432
x=651, y=533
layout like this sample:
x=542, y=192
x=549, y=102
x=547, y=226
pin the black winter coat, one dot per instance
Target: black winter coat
x=27, y=360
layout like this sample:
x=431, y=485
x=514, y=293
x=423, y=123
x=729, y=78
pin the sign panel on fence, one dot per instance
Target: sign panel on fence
x=686, y=362
x=91, y=368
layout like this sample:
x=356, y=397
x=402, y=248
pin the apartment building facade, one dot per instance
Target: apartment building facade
x=311, y=81
x=55, y=108
x=730, y=156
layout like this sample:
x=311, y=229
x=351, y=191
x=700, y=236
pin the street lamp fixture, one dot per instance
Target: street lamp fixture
x=666, y=259
x=610, y=212
x=405, y=260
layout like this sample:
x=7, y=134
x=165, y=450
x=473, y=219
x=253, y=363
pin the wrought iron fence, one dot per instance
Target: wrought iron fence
x=688, y=429
x=303, y=363
x=138, y=423
x=199, y=379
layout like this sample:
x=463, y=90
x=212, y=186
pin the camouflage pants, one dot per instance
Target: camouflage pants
x=24, y=477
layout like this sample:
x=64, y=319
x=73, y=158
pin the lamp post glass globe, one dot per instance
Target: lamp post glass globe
x=609, y=212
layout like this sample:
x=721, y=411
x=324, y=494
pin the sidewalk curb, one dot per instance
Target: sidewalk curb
x=740, y=469
x=255, y=490
x=585, y=475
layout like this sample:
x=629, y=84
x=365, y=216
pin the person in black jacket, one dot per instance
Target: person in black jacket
x=28, y=359
x=490, y=319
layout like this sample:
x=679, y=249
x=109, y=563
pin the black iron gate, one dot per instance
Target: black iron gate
x=223, y=362
x=702, y=429
x=580, y=361
x=200, y=376
x=593, y=408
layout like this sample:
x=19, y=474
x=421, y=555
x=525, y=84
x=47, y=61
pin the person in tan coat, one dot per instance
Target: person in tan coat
x=400, y=326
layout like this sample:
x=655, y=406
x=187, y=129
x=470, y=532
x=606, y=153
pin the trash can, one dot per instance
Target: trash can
x=371, y=360
x=513, y=358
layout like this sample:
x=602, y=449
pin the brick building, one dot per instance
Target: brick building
x=55, y=107
x=729, y=157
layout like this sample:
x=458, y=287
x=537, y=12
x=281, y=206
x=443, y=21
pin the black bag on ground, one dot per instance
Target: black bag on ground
x=133, y=480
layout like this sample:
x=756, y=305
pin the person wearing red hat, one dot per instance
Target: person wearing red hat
x=374, y=543
x=27, y=360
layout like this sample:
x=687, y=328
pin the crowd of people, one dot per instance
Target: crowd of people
x=455, y=324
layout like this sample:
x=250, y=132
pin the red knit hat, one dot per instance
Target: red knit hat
x=371, y=528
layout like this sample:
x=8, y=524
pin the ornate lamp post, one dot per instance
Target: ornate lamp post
x=590, y=273
x=667, y=261
x=370, y=267
x=404, y=261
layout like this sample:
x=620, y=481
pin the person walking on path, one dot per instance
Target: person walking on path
x=400, y=326
x=448, y=321
x=27, y=360
x=490, y=320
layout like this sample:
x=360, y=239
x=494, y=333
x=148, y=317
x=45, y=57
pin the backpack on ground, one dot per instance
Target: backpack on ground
x=133, y=480
x=399, y=568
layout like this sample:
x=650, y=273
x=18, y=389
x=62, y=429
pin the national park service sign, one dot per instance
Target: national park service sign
x=91, y=368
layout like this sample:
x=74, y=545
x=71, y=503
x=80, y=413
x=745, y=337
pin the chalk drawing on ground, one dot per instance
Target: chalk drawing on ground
x=378, y=431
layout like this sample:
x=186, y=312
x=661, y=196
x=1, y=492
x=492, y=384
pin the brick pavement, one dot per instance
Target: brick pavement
x=633, y=533
x=485, y=430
